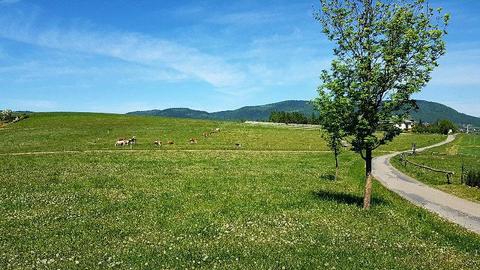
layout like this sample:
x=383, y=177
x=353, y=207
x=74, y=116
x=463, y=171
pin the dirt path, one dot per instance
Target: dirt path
x=159, y=151
x=457, y=210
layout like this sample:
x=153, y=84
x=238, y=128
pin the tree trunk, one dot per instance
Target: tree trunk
x=336, y=165
x=368, y=183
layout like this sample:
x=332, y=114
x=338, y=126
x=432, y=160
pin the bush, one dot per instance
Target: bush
x=473, y=178
x=6, y=116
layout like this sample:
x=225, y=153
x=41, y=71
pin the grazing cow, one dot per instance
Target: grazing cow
x=205, y=134
x=157, y=143
x=193, y=141
x=238, y=145
x=121, y=142
x=171, y=142
x=217, y=130
x=132, y=141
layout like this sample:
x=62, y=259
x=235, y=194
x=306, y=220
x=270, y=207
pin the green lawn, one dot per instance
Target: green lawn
x=206, y=209
x=405, y=140
x=465, y=149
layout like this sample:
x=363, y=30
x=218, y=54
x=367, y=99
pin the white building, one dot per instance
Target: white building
x=406, y=125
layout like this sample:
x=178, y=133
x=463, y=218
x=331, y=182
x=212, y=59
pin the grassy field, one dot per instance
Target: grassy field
x=86, y=131
x=66, y=131
x=465, y=149
x=207, y=208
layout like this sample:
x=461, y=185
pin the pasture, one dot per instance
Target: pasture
x=464, y=150
x=269, y=204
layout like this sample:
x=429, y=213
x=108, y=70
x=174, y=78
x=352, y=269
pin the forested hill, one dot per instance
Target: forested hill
x=261, y=112
x=427, y=112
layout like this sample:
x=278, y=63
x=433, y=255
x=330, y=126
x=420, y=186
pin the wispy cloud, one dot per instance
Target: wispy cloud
x=7, y=2
x=241, y=73
x=127, y=46
x=32, y=71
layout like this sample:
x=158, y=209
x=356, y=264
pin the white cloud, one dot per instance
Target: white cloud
x=249, y=68
x=132, y=47
x=33, y=71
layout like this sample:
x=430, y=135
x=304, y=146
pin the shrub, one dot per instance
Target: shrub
x=6, y=116
x=473, y=178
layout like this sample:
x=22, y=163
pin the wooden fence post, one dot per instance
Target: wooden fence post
x=463, y=171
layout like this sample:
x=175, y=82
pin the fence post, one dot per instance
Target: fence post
x=463, y=172
x=448, y=178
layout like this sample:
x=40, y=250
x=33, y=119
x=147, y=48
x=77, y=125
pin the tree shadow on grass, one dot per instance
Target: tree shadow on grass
x=344, y=198
x=327, y=177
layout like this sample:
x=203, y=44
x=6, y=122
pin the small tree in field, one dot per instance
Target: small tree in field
x=385, y=52
x=331, y=114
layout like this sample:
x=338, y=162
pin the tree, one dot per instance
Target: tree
x=445, y=126
x=332, y=113
x=385, y=52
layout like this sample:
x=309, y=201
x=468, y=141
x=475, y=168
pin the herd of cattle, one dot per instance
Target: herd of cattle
x=133, y=140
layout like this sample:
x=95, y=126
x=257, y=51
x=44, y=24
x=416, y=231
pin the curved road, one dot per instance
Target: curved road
x=460, y=211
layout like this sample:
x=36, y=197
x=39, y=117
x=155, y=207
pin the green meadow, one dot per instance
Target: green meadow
x=70, y=200
x=465, y=150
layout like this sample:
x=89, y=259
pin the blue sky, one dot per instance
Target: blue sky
x=119, y=56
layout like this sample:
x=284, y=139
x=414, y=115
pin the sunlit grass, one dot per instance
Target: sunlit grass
x=206, y=209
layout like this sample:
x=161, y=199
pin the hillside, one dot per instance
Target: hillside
x=175, y=112
x=427, y=112
x=432, y=111
x=262, y=112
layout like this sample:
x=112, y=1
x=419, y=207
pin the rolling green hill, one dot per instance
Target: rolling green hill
x=427, y=112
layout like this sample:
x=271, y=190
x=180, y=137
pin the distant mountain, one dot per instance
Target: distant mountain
x=427, y=112
x=175, y=112
x=432, y=111
x=261, y=112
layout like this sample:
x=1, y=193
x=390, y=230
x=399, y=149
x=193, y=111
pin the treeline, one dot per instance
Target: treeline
x=293, y=118
x=439, y=127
